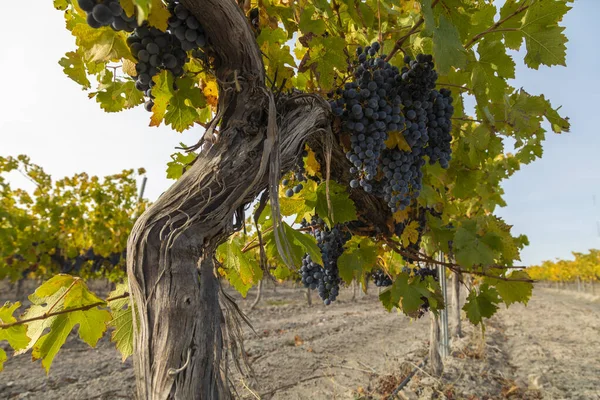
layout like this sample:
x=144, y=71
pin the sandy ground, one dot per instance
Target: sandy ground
x=356, y=350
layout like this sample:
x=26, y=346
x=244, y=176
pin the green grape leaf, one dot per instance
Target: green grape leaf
x=300, y=244
x=492, y=55
x=102, y=44
x=448, y=50
x=159, y=15
x=342, y=207
x=60, y=4
x=328, y=55
x=544, y=38
x=122, y=321
x=526, y=111
x=74, y=67
x=117, y=95
x=179, y=161
x=240, y=268
x=300, y=204
x=281, y=272
x=15, y=335
x=309, y=25
x=406, y=293
x=513, y=291
x=179, y=115
x=143, y=7
x=63, y=292
x=481, y=304
x=439, y=233
x=559, y=124
x=277, y=55
x=182, y=110
x=360, y=255
x=471, y=248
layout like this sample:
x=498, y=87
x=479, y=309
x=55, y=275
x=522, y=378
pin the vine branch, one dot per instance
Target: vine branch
x=47, y=315
x=452, y=266
x=494, y=28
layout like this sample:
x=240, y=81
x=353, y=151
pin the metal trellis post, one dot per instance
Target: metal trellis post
x=444, y=336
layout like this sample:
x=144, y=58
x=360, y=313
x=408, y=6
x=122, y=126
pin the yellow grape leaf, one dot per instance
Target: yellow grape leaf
x=122, y=321
x=396, y=138
x=158, y=15
x=128, y=7
x=63, y=292
x=410, y=234
x=15, y=335
x=129, y=67
x=102, y=44
x=265, y=19
x=211, y=92
x=410, y=6
x=401, y=215
x=163, y=93
x=312, y=165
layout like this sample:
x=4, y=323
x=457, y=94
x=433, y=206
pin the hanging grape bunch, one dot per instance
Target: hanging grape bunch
x=154, y=51
x=324, y=278
x=383, y=99
x=185, y=27
x=381, y=279
x=107, y=13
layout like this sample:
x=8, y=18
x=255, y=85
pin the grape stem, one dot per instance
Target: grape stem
x=465, y=88
x=62, y=296
x=452, y=266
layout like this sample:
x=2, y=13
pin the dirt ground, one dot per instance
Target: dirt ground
x=356, y=350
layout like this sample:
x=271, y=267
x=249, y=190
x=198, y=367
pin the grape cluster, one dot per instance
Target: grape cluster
x=185, y=27
x=439, y=123
x=107, y=13
x=154, y=51
x=402, y=177
x=423, y=273
x=382, y=99
x=324, y=278
x=311, y=272
x=381, y=279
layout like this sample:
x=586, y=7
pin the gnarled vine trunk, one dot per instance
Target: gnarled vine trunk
x=180, y=332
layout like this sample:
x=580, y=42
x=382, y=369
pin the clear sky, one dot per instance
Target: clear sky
x=45, y=115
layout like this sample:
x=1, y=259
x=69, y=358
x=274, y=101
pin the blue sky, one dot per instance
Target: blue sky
x=551, y=200
x=46, y=116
